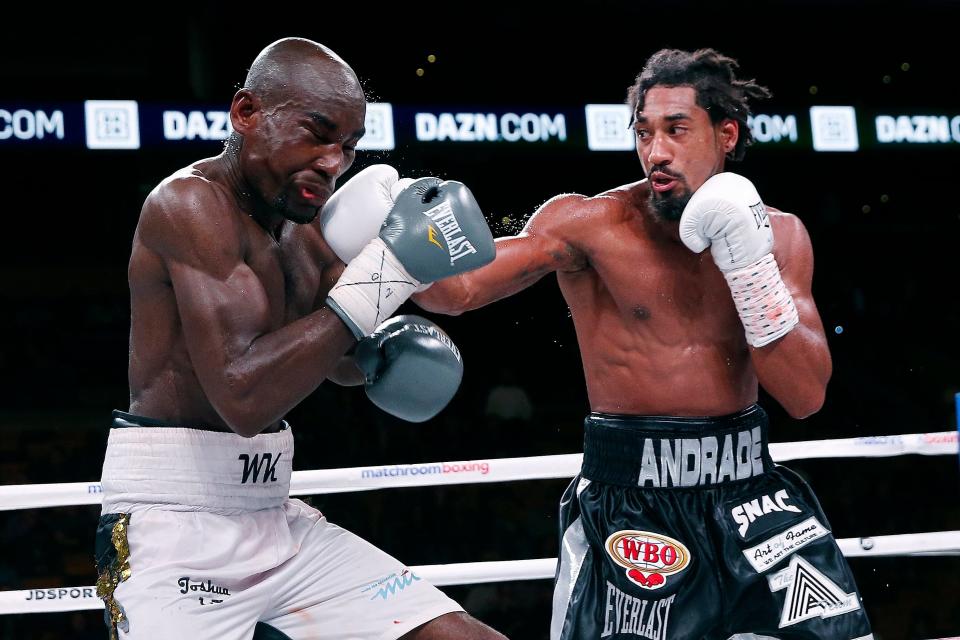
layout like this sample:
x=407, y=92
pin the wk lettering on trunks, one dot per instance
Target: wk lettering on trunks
x=626, y=615
x=266, y=462
x=692, y=462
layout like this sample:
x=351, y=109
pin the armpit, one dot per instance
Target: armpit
x=572, y=258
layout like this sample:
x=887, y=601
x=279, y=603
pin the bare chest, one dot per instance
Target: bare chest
x=264, y=260
x=647, y=286
x=306, y=274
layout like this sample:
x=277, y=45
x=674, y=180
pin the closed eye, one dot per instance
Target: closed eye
x=319, y=137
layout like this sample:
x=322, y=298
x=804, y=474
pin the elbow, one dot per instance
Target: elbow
x=246, y=428
x=243, y=422
x=809, y=393
x=807, y=405
x=238, y=408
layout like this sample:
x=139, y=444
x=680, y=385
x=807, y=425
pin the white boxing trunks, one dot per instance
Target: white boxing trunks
x=199, y=539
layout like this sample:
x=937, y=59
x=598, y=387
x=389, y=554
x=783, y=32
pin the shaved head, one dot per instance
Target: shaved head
x=298, y=65
x=296, y=125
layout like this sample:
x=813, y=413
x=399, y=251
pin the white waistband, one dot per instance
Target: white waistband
x=190, y=470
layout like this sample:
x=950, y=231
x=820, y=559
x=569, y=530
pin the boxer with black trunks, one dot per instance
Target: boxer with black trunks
x=679, y=526
x=237, y=315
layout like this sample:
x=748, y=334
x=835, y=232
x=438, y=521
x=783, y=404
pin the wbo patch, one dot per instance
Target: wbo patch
x=649, y=558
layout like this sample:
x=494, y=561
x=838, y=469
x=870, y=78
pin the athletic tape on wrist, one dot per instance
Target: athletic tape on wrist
x=765, y=305
x=371, y=288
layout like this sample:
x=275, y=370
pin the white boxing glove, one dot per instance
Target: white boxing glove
x=727, y=215
x=354, y=214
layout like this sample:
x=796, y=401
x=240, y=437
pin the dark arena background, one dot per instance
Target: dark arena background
x=861, y=140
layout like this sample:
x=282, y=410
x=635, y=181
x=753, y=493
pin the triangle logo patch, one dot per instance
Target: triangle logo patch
x=810, y=594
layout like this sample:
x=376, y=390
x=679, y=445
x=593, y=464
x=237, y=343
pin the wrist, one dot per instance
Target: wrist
x=763, y=301
x=371, y=288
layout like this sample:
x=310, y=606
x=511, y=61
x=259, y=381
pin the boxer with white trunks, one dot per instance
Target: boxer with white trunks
x=237, y=315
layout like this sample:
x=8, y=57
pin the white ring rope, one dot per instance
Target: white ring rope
x=60, y=599
x=427, y=474
x=442, y=575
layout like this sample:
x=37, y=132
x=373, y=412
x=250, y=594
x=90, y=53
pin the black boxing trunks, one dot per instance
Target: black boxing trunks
x=685, y=529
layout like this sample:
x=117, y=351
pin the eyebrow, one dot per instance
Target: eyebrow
x=673, y=117
x=323, y=121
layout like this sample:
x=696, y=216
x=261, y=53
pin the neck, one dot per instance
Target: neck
x=668, y=229
x=245, y=196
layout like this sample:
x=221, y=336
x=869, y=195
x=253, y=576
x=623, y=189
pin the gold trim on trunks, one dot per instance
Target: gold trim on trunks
x=115, y=573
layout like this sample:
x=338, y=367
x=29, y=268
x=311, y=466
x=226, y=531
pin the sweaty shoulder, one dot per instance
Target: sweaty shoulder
x=188, y=215
x=625, y=201
x=569, y=212
x=565, y=225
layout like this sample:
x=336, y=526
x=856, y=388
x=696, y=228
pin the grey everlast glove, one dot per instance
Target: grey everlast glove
x=412, y=367
x=434, y=215
x=434, y=230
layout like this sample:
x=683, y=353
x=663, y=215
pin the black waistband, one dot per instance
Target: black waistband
x=122, y=420
x=675, y=452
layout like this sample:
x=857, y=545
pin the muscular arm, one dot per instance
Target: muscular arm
x=544, y=246
x=796, y=368
x=320, y=268
x=251, y=372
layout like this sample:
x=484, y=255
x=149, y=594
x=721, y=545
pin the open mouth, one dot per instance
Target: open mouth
x=661, y=182
x=314, y=195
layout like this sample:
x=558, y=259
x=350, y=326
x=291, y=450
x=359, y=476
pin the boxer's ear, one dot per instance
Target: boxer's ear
x=244, y=111
x=728, y=132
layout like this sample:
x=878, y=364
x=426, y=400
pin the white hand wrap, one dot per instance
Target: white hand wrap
x=371, y=288
x=765, y=305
